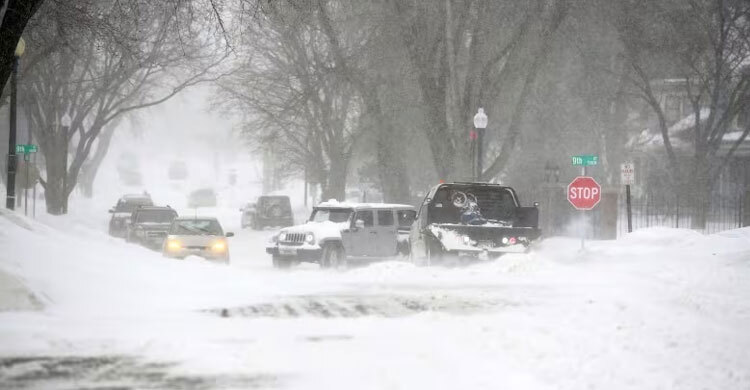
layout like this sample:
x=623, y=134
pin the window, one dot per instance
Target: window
x=366, y=216
x=385, y=218
x=193, y=227
x=406, y=217
x=333, y=215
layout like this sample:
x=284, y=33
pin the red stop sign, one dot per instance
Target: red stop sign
x=584, y=193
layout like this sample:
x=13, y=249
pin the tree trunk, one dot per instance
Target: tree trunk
x=699, y=188
x=54, y=158
x=336, y=181
x=91, y=167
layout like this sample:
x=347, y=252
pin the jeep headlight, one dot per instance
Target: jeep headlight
x=309, y=238
x=282, y=236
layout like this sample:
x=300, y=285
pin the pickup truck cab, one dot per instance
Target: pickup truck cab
x=471, y=220
x=338, y=232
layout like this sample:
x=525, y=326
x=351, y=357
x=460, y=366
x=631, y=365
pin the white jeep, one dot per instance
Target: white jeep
x=338, y=232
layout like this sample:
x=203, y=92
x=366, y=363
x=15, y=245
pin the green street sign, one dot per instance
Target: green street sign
x=586, y=160
x=26, y=149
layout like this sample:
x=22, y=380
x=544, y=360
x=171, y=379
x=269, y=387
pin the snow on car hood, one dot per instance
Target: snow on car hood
x=326, y=229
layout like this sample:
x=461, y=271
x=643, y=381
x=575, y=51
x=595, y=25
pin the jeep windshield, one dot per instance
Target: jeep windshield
x=494, y=203
x=332, y=215
x=155, y=216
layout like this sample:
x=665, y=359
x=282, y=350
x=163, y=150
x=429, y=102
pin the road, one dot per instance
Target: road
x=665, y=309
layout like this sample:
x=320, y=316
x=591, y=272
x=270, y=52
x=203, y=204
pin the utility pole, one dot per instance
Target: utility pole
x=10, y=197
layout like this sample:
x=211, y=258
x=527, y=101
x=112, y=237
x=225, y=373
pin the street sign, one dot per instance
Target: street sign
x=585, y=160
x=627, y=174
x=584, y=193
x=25, y=149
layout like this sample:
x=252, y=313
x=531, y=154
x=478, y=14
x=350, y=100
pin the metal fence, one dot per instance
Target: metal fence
x=668, y=210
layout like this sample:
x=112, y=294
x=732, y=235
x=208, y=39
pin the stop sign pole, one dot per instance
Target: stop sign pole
x=584, y=193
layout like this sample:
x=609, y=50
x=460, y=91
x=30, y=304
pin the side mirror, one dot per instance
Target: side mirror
x=536, y=204
x=230, y=234
x=359, y=224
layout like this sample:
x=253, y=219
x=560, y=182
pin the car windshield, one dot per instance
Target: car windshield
x=196, y=227
x=129, y=205
x=157, y=216
x=333, y=215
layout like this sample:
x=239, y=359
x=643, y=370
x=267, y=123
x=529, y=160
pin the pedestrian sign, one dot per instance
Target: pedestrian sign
x=26, y=149
x=586, y=160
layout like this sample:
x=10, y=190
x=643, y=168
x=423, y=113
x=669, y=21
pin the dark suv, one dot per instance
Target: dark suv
x=268, y=211
x=149, y=225
x=118, y=223
x=472, y=220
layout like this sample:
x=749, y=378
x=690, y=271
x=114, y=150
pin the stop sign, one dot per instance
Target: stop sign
x=584, y=193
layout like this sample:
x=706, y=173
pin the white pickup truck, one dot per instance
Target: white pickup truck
x=337, y=232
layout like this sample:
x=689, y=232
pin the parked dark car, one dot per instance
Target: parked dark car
x=204, y=197
x=122, y=211
x=268, y=211
x=149, y=225
x=471, y=221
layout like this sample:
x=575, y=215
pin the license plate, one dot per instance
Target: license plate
x=287, y=251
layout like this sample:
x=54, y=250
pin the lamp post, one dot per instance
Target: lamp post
x=480, y=123
x=65, y=123
x=10, y=197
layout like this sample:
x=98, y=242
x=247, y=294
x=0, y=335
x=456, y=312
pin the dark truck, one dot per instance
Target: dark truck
x=471, y=220
x=121, y=213
x=268, y=210
x=149, y=225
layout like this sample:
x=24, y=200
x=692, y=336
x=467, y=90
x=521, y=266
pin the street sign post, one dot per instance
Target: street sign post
x=627, y=178
x=584, y=193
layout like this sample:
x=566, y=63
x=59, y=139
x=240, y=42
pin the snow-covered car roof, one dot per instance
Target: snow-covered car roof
x=351, y=205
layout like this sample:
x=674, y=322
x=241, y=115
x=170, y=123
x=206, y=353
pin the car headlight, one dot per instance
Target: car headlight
x=219, y=246
x=282, y=236
x=309, y=238
x=174, y=245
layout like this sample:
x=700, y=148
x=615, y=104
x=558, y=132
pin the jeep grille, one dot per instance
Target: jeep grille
x=294, y=238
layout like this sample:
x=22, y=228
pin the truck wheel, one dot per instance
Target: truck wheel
x=434, y=251
x=280, y=262
x=333, y=257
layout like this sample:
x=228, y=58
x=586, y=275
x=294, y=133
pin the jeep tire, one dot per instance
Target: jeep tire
x=333, y=257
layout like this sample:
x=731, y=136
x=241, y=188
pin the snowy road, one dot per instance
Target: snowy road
x=661, y=309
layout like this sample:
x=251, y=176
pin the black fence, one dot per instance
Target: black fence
x=657, y=209
x=558, y=218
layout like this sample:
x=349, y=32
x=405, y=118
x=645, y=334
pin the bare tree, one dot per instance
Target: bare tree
x=132, y=55
x=706, y=45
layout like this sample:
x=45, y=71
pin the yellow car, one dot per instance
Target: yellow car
x=198, y=236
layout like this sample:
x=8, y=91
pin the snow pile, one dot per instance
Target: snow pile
x=660, y=308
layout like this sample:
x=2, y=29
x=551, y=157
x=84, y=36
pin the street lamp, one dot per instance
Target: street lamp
x=10, y=197
x=65, y=123
x=480, y=123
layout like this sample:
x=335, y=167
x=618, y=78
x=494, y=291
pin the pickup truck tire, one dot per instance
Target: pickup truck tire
x=280, y=262
x=333, y=257
x=434, y=251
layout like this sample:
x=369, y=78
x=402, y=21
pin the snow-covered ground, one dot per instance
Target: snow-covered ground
x=658, y=309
